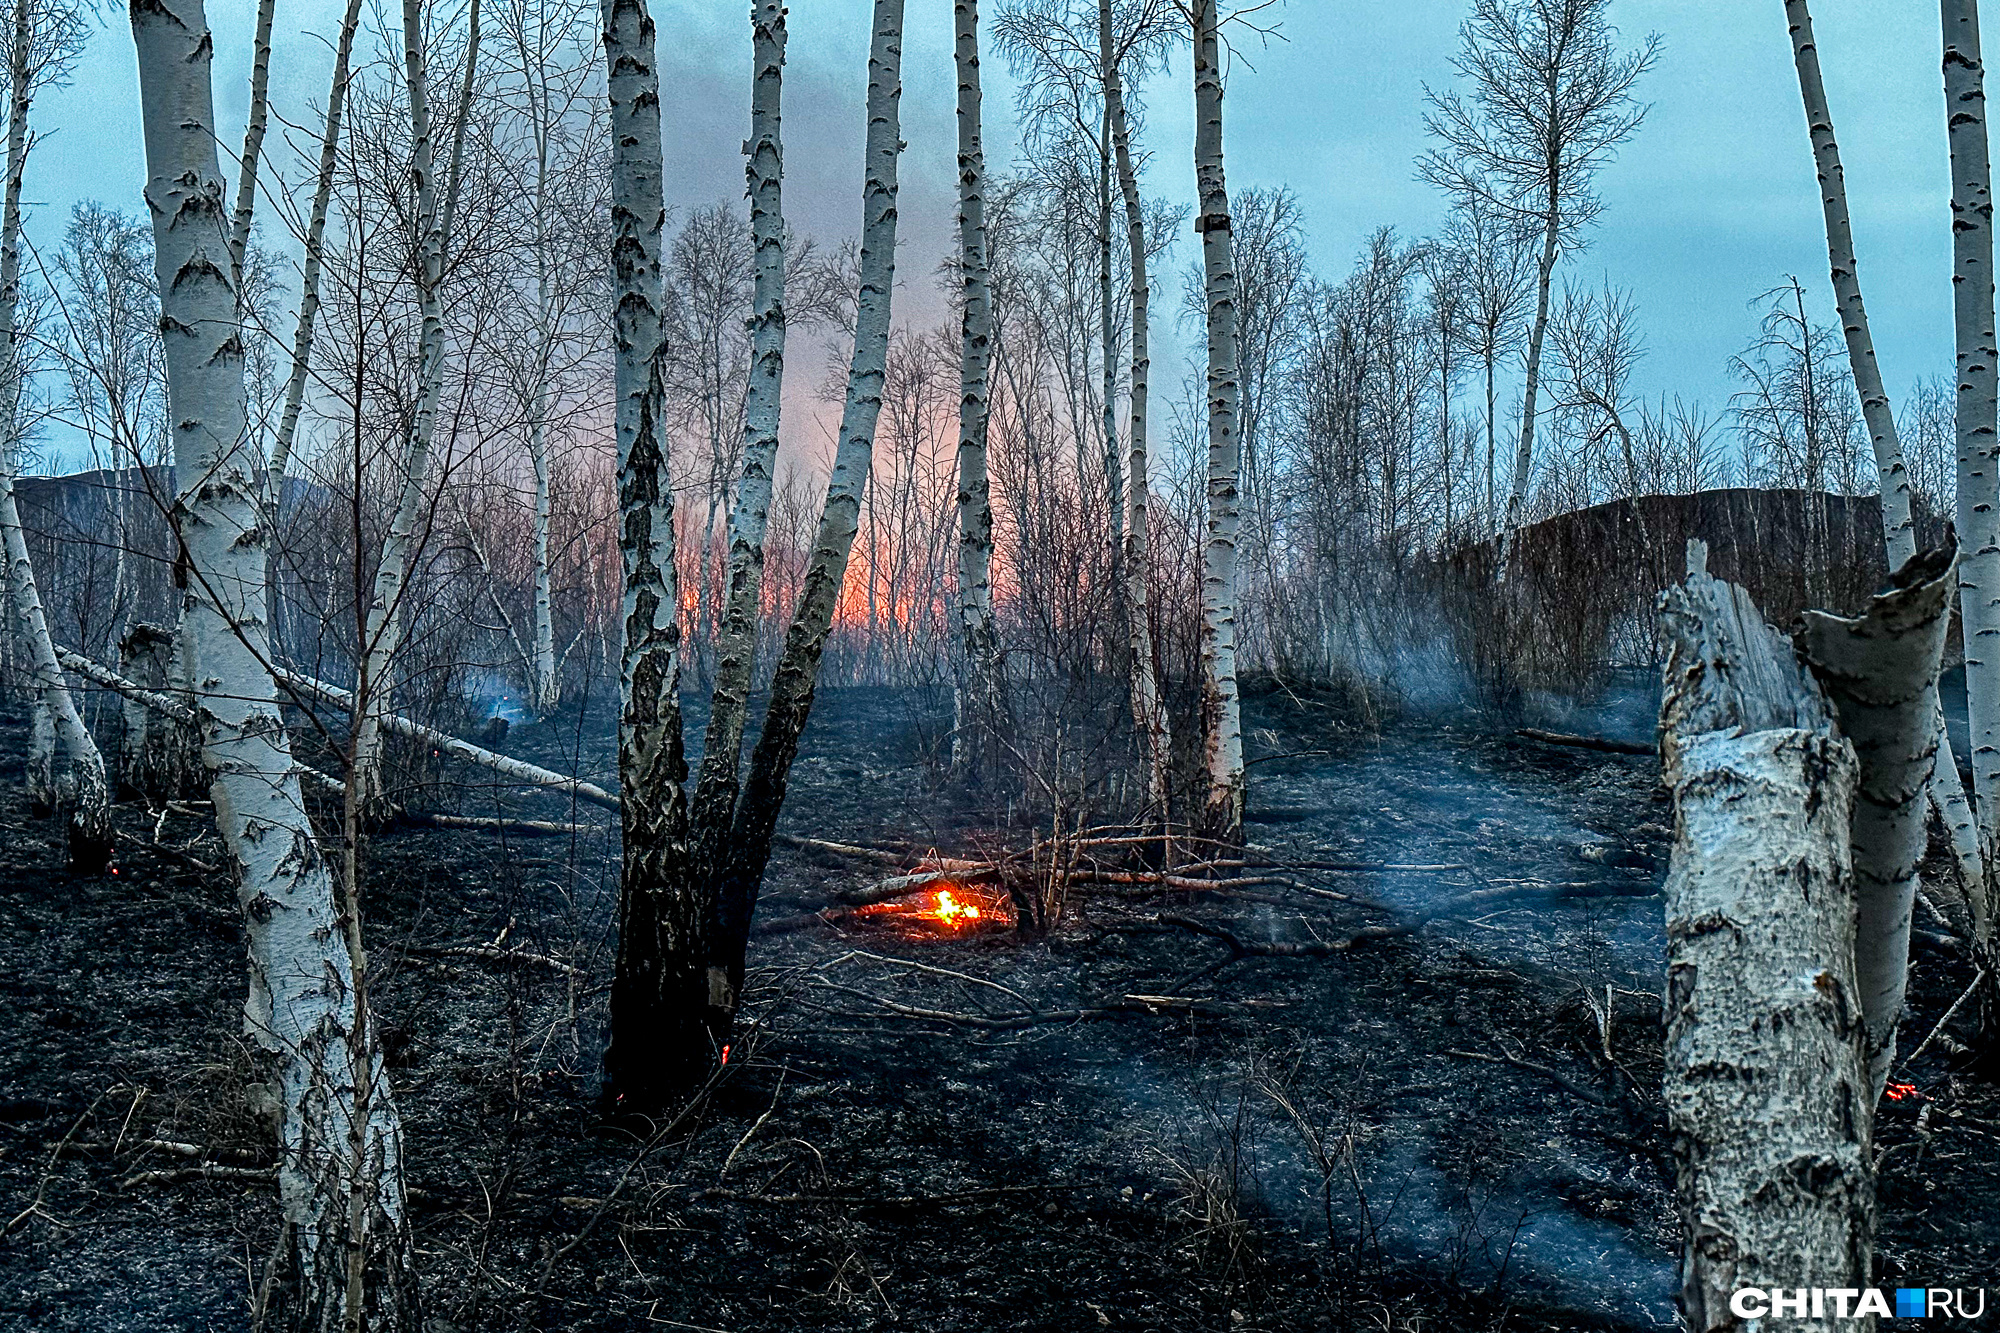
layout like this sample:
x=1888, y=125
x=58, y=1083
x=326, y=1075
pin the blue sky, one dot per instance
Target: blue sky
x=1711, y=204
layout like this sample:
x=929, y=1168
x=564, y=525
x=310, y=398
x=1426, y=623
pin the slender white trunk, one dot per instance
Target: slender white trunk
x=1880, y=672
x=382, y=634
x=1978, y=510
x=1765, y=1081
x=90, y=816
x=546, y=685
x=977, y=701
x=717, y=787
x=1222, y=709
x=309, y=301
x=338, y=1128
x=253, y=143
x=1149, y=716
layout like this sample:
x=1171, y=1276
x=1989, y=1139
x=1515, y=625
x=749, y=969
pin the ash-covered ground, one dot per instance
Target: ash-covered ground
x=1451, y=1124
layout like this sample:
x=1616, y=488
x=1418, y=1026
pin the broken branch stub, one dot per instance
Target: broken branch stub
x=1880, y=672
x=1765, y=1081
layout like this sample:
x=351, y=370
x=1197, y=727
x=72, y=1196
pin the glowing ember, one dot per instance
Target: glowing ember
x=1901, y=1091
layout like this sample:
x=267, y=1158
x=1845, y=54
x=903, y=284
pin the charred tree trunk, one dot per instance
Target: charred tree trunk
x=1149, y=715
x=1222, y=715
x=160, y=757
x=1880, y=672
x=659, y=995
x=977, y=702
x=798, y=667
x=340, y=1140
x=1766, y=1081
x=88, y=790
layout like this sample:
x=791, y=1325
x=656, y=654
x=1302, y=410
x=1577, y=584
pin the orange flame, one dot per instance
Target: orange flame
x=949, y=907
x=953, y=912
x=1901, y=1091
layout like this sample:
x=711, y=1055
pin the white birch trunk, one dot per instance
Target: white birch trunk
x=90, y=815
x=253, y=143
x=382, y=634
x=1524, y=446
x=659, y=993
x=1765, y=1084
x=338, y=1131
x=544, y=680
x=736, y=639
x=1978, y=512
x=1221, y=707
x=977, y=700
x=309, y=300
x=1880, y=672
x=1149, y=716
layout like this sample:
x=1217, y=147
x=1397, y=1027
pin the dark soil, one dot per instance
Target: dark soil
x=1418, y=1134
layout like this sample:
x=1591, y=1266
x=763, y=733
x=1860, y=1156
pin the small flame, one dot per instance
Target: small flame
x=1901, y=1091
x=725, y=1053
x=953, y=912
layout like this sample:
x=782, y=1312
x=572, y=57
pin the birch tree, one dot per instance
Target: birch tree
x=1550, y=102
x=717, y=785
x=41, y=47
x=1221, y=709
x=1893, y=488
x=1766, y=1082
x=687, y=895
x=659, y=997
x=1497, y=269
x=1978, y=510
x=796, y=677
x=976, y=701
x=382, y=629
x=340, y=1140
x=1149, y=714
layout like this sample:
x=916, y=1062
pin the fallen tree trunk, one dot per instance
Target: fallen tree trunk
x=519, y=770
x=1602, y=743
x=167, y=706
x=1765, y=1079
x=1880, y=672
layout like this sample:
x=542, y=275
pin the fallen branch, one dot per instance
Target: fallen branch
x=880, y=1200
x=487, y=953
x=1602, y=744
x=527, y=828
x=1569, y=1085
x=206, y=1171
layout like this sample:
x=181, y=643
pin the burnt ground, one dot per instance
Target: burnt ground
x=1416, y=1134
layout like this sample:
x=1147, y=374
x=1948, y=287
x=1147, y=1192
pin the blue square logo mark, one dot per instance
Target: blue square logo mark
x=1911, y=1303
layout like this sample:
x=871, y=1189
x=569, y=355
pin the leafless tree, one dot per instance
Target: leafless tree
x=1548, y=103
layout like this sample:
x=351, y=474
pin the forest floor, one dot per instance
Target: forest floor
x=1418, y=1134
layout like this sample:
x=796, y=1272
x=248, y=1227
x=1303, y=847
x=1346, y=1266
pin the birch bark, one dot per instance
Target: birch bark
x=1221, y=710
x=309, y=299
x=716, y=787
x=1765, y=1082
x=1898, y=531
x=1978, y=510
x=659, y=996
x=253, y=143
x=977, y=700
x=90, y=813
x=1524, y=446
x=797, y=672
x=339, y=1134
x=1149, y=717
x=1880, y=672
